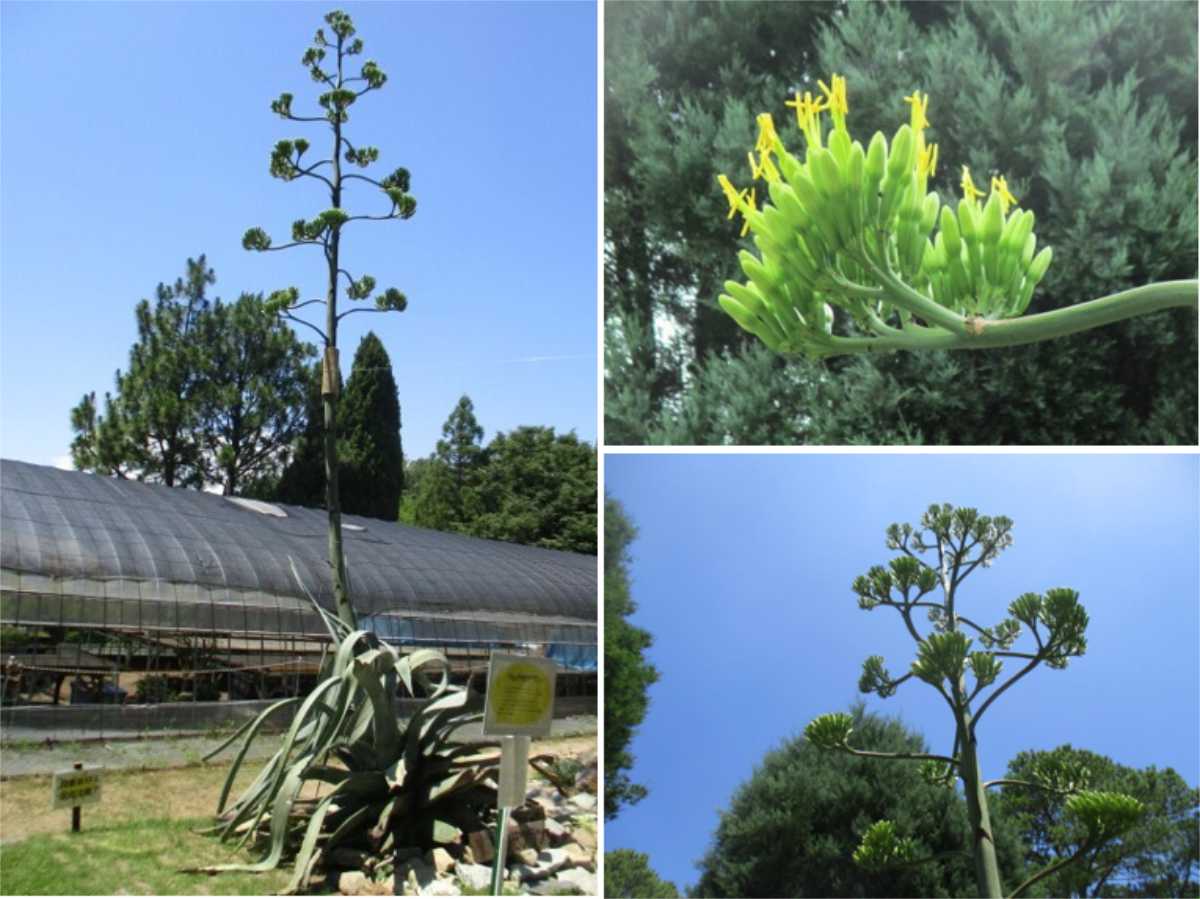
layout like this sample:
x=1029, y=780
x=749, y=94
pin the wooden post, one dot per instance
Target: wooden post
x=76, y=811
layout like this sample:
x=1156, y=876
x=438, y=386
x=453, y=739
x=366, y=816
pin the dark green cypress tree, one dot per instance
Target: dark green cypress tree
x=369, y=443
x=1089, y=109
x=792, y=827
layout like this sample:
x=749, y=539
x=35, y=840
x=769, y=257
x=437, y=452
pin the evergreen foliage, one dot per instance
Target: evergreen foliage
x=369, y=435
x=627, y=674
x=210, y=395
x=791, y=829
x=1097, y=136
x=1158, y=857
x=628, y=873
x=528, y=486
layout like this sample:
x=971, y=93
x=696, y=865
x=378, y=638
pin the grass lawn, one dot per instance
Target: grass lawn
x=136, y=858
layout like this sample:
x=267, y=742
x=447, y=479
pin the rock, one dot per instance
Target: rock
x=586, y=781
x=578, y=857
x=483, y=851
x=548, y=862
x=527, y=856
x=351, y=883
x=467, y=855
x=441, y=861
x=526, y=828
x=585, y=880
x=585, y=837
x=555, y=832
x=445, y=834
x=412, y=886
x=553, y=887
x=584, y=802
x=477, y=877
x=441, y=888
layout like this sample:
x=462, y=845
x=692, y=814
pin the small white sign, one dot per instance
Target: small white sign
x=75, y=788
x=520, y=696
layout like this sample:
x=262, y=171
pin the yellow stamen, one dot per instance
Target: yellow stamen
x=732, y=194
x=919, y=102
x=835, y=97
x=927, y=164
x=768, y=140
x=970, y=191
x=808, y=113
x=1000, y=187
x=746, y=223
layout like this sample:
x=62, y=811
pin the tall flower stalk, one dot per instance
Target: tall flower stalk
x=325, y=231
x=960, y=541
x=855, y=230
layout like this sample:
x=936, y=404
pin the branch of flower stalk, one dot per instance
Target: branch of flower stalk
x=1004, y=782
x=1033, y=663
x=1050, y=869
x=918, y=756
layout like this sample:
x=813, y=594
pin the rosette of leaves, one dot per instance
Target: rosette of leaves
x=856, y=254
x=386, y=783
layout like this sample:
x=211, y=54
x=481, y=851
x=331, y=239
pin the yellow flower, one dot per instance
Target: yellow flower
x=808, y=115
x=732, y=194
x=1000, y=186
x=746, y=222
x=970, y=191
x=763, y=167
x=835, y=97
x=927, y=164
x=919, y=103
x=768, y=140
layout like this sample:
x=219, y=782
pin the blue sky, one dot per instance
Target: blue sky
x=742, y=573
x=137, y=135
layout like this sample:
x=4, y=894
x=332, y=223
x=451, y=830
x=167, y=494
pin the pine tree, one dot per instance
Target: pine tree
x=210, y=396
x=1095, y=136
x=252, y=403
x=461, y=453
x=369, y=440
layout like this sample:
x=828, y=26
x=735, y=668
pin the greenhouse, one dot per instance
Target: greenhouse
x=130, y=606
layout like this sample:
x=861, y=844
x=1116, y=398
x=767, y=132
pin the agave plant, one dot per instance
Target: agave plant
x=853, y=233
x=384, y=783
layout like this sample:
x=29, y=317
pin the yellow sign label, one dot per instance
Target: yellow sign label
x=522, y=695
x=72, y=788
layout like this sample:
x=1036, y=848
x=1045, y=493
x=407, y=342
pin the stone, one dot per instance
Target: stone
x=578, y=857
x=585, y=837
x=446, y=834
x=483, y=851
x=585, y=880
x=583, y=802
x=548, y=862
x=351, y=883
x=476, y=877
x=441, y=887
x=441, y=861
x=527, y=856
x=555, y=831
x=416, y=873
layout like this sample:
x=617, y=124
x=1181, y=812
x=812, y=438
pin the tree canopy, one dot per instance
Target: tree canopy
x=791, y=828
x=528, y=486
x=369, y=435
x=1096, y=137
x=628, y=873
x=1158, y=857
x=627, y=674
x=212, y=395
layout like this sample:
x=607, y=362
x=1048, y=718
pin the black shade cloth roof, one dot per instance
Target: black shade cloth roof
x=168, y=557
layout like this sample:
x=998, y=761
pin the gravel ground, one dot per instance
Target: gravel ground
x=60, y=751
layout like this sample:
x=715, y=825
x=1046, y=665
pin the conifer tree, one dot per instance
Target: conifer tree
x=211, y=396
x=627, y=674
x=1095, y=137
x=369, y=443
x=324, y=230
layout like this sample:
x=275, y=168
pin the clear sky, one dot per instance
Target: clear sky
x=742, y=573
x=135, y=135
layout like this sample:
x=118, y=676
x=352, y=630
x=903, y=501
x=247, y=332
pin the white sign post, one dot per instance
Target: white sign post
x=519, y=705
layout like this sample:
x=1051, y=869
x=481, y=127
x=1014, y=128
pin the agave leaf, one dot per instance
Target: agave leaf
x=304, y=856
x=253, y=729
